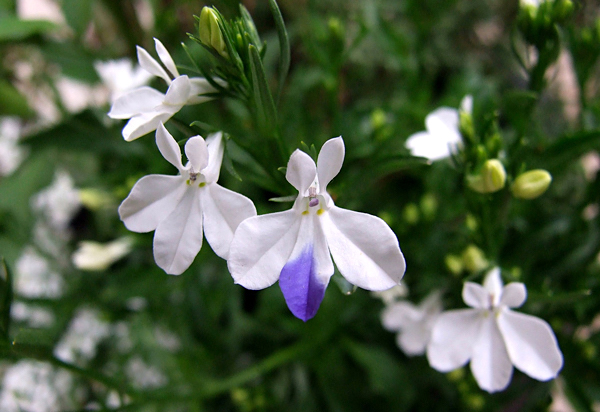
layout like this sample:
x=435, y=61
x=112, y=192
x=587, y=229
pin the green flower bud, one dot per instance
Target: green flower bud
x=209, y=31
x=532, y=184
x=491, y=178
x=454, y=264
x=474, y=259
x=411, y=214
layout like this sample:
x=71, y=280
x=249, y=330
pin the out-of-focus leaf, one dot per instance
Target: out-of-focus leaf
x=517, y=106
x=74, y=61
x=6, y=296
x=78, y=14
x=569, y=148
x=12, y=28
x=12, y=102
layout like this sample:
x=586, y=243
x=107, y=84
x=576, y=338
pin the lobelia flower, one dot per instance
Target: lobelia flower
x=442, y=135
x=413, y=322
x=493, y=337
x=296, y=246
x=180, y=207
x=146, y=107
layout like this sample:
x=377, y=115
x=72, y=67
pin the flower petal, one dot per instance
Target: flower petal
x=260, y=248
x=423, y=144
x=197, y=153
x=178, y=93
x=443, y=122
x=301, y=171
x=143, y=124
x=493, y=284
x=452, y=339
x=150, y=65
x=400, y=315
x=413, y=340
x=168, y=147
x=178, y=238
x=198, y=87
x=476, y=296
x=466, y=104
x=490, y=364
x=223, y=211
x=214, y=143
x=152, y=199
x=364, y=248
x=165, y=57
x=140, y=100
x=513, y=295
x=306, y=274
x=329, y=162
x=531, y=345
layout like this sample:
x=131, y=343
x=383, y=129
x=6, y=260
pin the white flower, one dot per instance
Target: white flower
x=442, y=135
x=146, y=107
x=11, y=155
x=493, y=337
x=59, y=202
x=34, y=277
x=179, y=207
x=99, y=256
x=413, y=323
x=121, y=76
x=296, y=246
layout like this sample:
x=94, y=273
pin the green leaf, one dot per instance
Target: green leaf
x=517, y=106
x=78, y=14
x=12, y=29
x=12, y=102
x=568, y=148
x=73, y=59
x=284, y=46
x=6, y=297
x=267, y=117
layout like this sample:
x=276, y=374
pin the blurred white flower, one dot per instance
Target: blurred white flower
x=413, y=322
x=32, y=315
x=493, y=337
x=59, y=202
x=80, y=341
x=121, y=76
x=38, y=387
x=144, y=376
x=442, y=135
x=167, y=339
x=146, y=107
x=95, y=256
x=11, y=154
x=34, y=277
x=40, y=10
x=392, y=295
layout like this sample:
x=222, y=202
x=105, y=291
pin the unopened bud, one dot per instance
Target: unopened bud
x=532, y=184
x=491, y=178
x=474, y=259
x=210, y=32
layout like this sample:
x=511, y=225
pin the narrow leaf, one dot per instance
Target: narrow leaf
x=284, y=46
x=6, y=298
x=262, y=95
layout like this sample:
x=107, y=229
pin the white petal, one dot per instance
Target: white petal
x=178, y=93
x=168, y=147
x=151, y=200
x=423, y=144
x=143, y=124
x=400, y=315
x=140, y=100
x=223, y=211
x=443, y=122
x=178, y=238
x=197, y=153
x=476, y=295
x=260, y=248
x=414, y=339
x=490, y=364
x=531, y=345
x=150, y=65
x=513, y=295
x=466, y=104
x=330, y=161
x=364, y=248
x=301, y=171
x=198, y=87
x=214, y=143
x=452, y=338
x=493, y=284
x=165, y=57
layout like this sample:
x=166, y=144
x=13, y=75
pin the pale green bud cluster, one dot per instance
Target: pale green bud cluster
x=209, y=31
x=490, y=179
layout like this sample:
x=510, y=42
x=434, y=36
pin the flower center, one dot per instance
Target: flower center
x=312, y=197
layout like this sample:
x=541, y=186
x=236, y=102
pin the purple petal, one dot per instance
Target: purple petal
x=301, y=289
